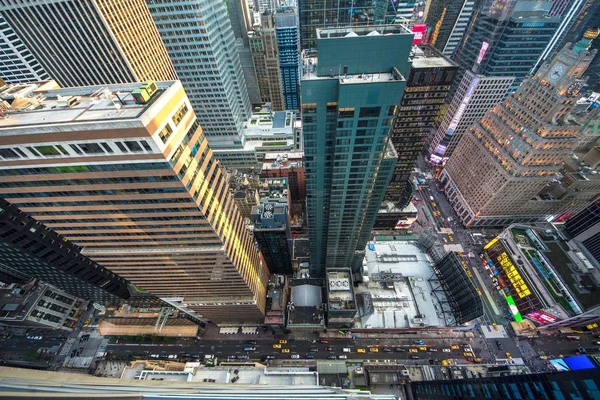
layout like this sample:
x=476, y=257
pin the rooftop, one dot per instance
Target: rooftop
x=310, y=66
x=429, y=57
x=396, y=293
x=283, y=160
x=371, y=30
x=267, y=122
x=84, y=104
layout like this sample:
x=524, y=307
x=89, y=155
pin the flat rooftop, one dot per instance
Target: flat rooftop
x=397, y=287
x=310, y=66
x=92, y=104
x=269, y=122
x=363, y=30
x=428, y=57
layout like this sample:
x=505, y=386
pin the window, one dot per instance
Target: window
x=346, y=112
x=91, y=148
x=369, y=112
x=133, y=146
x=180, y=114
x=47, y=151
x=146, y=146
x=8, y=153
x=121, y=147
x=107, y=147
x=166, y=133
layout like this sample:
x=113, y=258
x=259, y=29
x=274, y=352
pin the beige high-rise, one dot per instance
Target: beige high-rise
x=502, y=168
x=136, y=186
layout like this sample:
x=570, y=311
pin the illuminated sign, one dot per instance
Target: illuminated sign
x=484, y=47
x=463, y=106
x=541, y=317
x=513, y=275
x=513, y=309
x=419, y=31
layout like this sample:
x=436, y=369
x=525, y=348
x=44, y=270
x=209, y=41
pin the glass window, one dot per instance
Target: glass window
x=166, y=133
x=121, y=147
x=180, y=114
x=107, y=147
x=146, y=146
x=47, y=150
x=369, y=112
x=8, y=153
x=133, y=146
x=91, y=148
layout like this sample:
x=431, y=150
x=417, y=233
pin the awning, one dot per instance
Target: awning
x=229, y=330
x=249, y=330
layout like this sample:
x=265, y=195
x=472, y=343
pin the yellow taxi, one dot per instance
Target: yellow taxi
x=450, y=238
x=508, y=356
x=276, y=346
x=468, y=354
x=454, y=347
x=282, y=341
x=433, y=204
x=361, y=351
x=413, y=350
x=459, y=253
x=423, y=348
x=374, y=350
x=285, y=350
x=479, y=292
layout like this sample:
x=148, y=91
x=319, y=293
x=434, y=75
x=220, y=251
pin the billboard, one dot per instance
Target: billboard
x=574, y=363
x=484, y=47
x=541, y=318
x=419, y=31
x=513, y=309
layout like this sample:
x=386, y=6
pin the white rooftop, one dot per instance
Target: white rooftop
x=398, y=274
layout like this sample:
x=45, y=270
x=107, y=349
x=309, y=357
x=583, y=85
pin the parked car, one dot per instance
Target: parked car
x=172, y=356
x=325, y=341
x=328, y=348
x=400, y=350
x=361, y=351
x=346, y=350
x=331, y=357
x=241, y=357
x=342, y=356
x=295, y=355
x=267, y=358
x=374, y=350
x=446, y=350
x=309, y=356
x=313, y=350
x=433, y=349
x=386, y=350
x=251, y=341
x=414, y=357
x=249, y=348
x=418, y=342
x=154, y=355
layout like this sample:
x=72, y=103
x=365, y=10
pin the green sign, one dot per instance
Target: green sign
x=513, y=308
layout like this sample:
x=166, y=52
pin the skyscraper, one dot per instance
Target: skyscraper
x=87, y=43
x=349, y=98
x=446, y=23
x=263, y=47
x=288, y=47
x=316, y=14
x=200, y=40
x=426, y=89
x=584, y=227
x=17, y=64
x=126, y=173
x=499, y=30
x=475, y=95
x=499, y=168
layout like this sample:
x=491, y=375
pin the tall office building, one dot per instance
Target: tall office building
x=213, y=78
x=125, y=172
x=87, y=43
x=422, y=104
x=349, y=99
x=476, y=94
x=263, y=47
x=446, y=23
x=402, y=11
x=317, y=14
x=288, y=47
x=584, y=227
x=16, y=62
x=29, y=249
x=500, y=167
x=500, y=29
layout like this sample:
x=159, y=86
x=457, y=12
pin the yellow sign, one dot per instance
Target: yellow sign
x=513, y=275
x=490, y=244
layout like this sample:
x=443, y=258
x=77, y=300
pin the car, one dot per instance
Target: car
x=433, y=349
x=267, y=358
x=446, y=350
x=295, y=356
x=172, y=356
x=195, y=356
x=400, y=350
x=596, y=342
x=331, y=357
x=386, y=350
x=309, y=356
x=581, y=350
x=276, y=346
x=342, y=356
x=29, y=337
x=313, y=350
x=346, y=350
x=249, y=348
x=418, y=342
x=324, y=341
x=312, y=341
x=361, y=351
x=468, y=354
x=241, y=357
x=465, y=344
x=253, y=342
x=285, y=350
x=413, y=357
x=454, y=347
x=373, y=349
x=422, y=348
x=509, y=356
x=209, y=356
x=152, y=356
x=282, y=341
x=328, y=348
x=413, y=350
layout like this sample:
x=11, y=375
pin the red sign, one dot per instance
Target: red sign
x=541, y=317
x=419, y=31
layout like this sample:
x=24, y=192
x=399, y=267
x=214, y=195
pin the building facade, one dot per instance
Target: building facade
x=32, y=250
x=446, y=22
x=475, y=95
x=288, y=48
x=498, y=32
x=584, y=227
x=348, y=109
x=126, y=174
x=17, y=64
x=81, y=44
x=263, y=47
x=500, y=167
x=213, y=78
x=419, y=112
x=290, y=166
